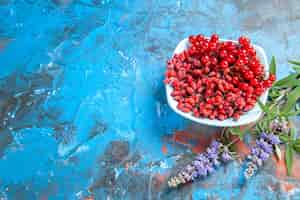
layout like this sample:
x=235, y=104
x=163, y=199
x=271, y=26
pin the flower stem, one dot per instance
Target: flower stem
x=233, y=142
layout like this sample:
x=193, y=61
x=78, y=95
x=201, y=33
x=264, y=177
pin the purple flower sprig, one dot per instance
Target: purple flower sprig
x=260, y=152
x=204, y=164
x=279, y=126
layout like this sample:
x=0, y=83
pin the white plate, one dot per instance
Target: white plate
x=248, y=117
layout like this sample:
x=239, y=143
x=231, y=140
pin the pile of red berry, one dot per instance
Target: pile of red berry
x=217, y=80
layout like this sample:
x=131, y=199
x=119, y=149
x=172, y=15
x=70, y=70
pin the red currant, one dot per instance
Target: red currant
x=224, y=64
x=272, y=77
x=223, y=53
x=205, y=59
x=214, y=37
x=244, y=41
x=217, y=80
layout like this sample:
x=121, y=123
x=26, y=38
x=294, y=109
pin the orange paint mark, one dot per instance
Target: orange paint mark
x=202, y=143
x=159, y=179
x=281, y=171
x=242, y=148
x=205, y=185
x=198, y=148
x=287, y=187
x=181, y=137
x=89, y=198
x=190, y=139
x=127, y=166
x=164, y=149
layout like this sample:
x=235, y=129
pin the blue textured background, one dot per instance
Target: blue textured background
x=83, y=108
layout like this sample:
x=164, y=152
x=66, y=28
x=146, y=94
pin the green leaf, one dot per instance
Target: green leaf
x=274, y=93
x=284, y=138
x=277, y=152
x=237, y=131
x=296, y=145
x=296, y=68
x=289, y=81
x=290, y=114
x=263, y=106
x=273, y=66
x=289, y=158
x=292, y=84
x=294, y=62
x=273, y=112
x=292, y=99
x=292, y=134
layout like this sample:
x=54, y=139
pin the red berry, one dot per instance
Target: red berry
x=189, y=90
x=267, y=83
x=254, y=82
x=214, y=37
x=272, y=77
x=224, y=64
x=258, y=91
x=251, y=51
x=244, y=41
x=230, y=58
x=205, y=59
x=186, y=110
x=240, y=62
x=223, y=53
x=212, y=46
x=249, y=75
x=213, y=60
x=236, y=116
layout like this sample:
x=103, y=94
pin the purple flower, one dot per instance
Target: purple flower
x=274, y=139
x=203, y=165
x=215, y=145
x=226, y=157
x=280, y=126
x=194, y=175
x=210, y=168
x=201, y=170
x=200, y=157
x=215, y=162
x=264, y=135
x=212, y=153
x=260, y=152
x=262, y=144
x=271, y=138
x=264, y=156
x=189, y=168
x=254, y=151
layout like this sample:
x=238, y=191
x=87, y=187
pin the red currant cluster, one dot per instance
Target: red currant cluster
x=217, y=80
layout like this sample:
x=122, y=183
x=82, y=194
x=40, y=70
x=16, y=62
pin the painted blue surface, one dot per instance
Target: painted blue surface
x=82, y=96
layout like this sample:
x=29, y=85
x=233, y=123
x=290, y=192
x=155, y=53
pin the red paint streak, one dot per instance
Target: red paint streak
x=164, y=149
x=181, y=137
x=197, y=141
x=198, y=148
x=203, y=142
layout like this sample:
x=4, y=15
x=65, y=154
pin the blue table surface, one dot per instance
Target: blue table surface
x=83, y=107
